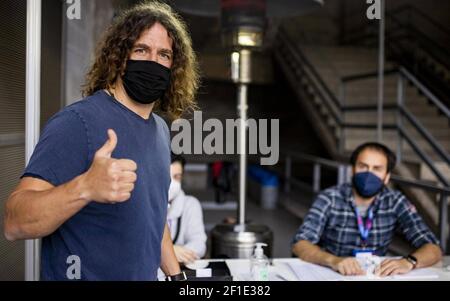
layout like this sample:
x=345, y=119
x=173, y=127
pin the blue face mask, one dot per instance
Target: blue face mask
x=367, y=184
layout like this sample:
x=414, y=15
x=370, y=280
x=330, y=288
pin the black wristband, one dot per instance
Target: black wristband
x=178, y=277
x=411, y=259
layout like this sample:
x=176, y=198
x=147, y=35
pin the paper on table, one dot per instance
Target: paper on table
x=422, y=274
x=312, y=272
x=418, y=274
x=202, y=273
x=281, y=272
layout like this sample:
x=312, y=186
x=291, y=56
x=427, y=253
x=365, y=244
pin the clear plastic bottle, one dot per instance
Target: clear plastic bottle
x=259, y=264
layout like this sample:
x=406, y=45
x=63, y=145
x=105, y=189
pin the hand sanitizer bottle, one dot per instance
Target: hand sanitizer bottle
x=259, y=264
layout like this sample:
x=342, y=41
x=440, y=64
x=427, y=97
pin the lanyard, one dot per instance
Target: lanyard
x=364, y=229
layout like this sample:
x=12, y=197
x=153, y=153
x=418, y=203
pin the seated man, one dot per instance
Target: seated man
x=185, y=218
x=363, y=216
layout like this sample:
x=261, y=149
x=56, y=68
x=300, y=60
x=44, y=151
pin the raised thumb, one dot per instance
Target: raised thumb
x=109, y=146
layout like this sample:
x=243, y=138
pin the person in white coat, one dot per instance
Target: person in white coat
x=184, y=217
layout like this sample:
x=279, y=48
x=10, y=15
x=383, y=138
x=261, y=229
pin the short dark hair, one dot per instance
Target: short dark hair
x=390, y=156
x=178, y=158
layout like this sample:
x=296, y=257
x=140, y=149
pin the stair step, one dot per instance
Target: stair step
x=391, y=134
x=429, y=122
x=334, y=62
x=351, y=144
x=427, y=174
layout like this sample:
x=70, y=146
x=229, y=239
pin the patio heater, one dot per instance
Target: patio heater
x=243, y=25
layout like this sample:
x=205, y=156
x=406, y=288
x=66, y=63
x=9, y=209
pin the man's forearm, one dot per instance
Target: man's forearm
x=314, y=254
x=427, y=255
x=169, y=262
x=33, y=214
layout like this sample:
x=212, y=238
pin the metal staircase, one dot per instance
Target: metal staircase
x=414, y=40
x=337, y=87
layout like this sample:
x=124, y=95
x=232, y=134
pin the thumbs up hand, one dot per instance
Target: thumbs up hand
x=106, y=150
x=109, y=180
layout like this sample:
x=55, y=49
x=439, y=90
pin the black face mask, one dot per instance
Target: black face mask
x=146, y=81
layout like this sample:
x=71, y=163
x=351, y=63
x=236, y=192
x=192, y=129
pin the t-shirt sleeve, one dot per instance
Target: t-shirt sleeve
x=62, y=151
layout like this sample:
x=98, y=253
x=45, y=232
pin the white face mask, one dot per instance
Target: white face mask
x=174, y=189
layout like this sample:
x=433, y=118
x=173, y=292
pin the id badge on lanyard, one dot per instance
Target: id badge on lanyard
x=364, y=230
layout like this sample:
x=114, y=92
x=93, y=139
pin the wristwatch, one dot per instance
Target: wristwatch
x=178, y=277
x=411, y=259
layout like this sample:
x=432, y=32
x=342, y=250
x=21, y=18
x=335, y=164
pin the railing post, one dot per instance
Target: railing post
x=381, y=64
x=287, y=174
x=342, y=93
x=316, y=178
x=341, y=127
x=443, y=222
x=341, y=141
x=400, y=104
x=340, y=174
x=347, y=174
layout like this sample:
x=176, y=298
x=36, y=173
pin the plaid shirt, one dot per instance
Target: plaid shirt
x=331, y=222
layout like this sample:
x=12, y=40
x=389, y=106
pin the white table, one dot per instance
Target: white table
x=282, y=269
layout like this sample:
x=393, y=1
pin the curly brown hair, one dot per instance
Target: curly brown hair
x=115, y=48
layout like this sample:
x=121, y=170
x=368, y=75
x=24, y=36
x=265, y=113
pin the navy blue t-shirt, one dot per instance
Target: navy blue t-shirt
x=113, y=242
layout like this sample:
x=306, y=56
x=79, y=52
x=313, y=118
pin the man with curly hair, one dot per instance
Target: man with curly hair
x=96, y=187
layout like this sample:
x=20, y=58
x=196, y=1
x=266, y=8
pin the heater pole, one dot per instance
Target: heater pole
x=241, y=75
x=242, y=108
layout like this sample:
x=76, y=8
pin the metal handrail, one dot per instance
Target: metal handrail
x=423, y=156
x=371, y=126
x=412, y=120
x=421, y=184
x=404, y=8
x=366, y=75
x=424, y=132
x=323, y=87
x=334, y=114
x=311, y=158
x=434, y=50
x=344, y=175
x=427, y=40
x=368, y=107
x=426, y=92
x=402, y=111
x=337, y=164
x=299, y=52
x=436, y=24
